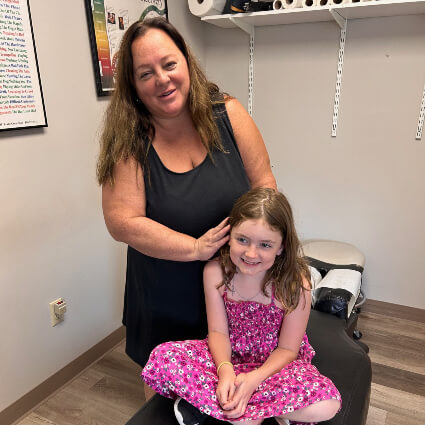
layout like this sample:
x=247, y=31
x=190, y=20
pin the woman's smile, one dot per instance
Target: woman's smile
x=160, y=74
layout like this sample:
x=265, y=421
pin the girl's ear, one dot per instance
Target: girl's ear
x=280, y=250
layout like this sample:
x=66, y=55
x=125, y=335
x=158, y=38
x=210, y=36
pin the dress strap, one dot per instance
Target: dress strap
x=225, y=293
x=272, y=294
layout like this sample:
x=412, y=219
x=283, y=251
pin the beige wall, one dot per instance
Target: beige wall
x=53, y=242
x=367, y=186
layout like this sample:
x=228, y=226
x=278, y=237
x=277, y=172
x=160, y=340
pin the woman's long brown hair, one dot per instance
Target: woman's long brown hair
x=128, y=130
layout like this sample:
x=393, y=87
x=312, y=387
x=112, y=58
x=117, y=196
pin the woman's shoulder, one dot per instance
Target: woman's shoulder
x=233, y=106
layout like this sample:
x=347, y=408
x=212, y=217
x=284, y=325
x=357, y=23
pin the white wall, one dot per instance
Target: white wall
x=366, y=186
x=53, y=241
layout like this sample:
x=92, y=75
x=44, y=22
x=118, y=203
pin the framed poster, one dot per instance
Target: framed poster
x=21, y=96
x=107, y=22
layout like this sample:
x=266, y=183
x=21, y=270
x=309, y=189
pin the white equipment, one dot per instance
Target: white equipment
x=336, y=273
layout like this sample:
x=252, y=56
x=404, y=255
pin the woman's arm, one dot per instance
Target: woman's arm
x=124, y=210
x=251, y=146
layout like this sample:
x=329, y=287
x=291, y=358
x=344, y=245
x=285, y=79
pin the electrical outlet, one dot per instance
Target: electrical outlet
x=57, y=311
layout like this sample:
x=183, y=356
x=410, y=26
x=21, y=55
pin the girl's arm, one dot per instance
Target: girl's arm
x=218, y=331
x=251, y=146
x=124, y=210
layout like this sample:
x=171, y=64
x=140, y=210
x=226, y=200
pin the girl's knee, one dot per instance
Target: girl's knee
x=328, y=408
x=316, y=412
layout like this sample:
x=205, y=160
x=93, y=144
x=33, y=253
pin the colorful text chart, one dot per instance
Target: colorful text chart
x=103, y=50
x=20, y=92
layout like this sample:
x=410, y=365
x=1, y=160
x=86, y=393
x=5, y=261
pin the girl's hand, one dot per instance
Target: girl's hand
x=208, y=244
x=245, y=383
x=226, y=386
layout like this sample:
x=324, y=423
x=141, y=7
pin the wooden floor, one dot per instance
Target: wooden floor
x=110, y=392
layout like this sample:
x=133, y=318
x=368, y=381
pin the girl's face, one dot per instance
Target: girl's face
x=160, y=74
x=254, y=246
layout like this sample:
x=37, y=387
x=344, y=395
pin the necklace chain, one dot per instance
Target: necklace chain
x=242, y=297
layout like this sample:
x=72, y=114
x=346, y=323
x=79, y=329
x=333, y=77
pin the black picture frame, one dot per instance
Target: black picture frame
x=107, y=21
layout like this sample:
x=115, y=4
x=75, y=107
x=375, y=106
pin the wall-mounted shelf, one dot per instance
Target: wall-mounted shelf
x=373, y=9
x=338, y=13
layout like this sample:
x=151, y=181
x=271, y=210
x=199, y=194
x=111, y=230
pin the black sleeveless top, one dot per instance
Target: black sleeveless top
x=164, y=300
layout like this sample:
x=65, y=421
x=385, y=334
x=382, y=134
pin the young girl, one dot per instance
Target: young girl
x=256, y=361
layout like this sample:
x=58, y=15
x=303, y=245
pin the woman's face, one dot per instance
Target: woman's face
x=160, y=74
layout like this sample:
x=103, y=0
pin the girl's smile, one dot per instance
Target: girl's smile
x=254, y=246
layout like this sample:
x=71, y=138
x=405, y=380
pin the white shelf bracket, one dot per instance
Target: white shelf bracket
x=251, y=74
x=249, y=29
x=340, y=20
x=421, y=118
x=339, y=77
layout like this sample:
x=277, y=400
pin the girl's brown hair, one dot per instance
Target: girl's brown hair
x=128, y=130
x=289, y=269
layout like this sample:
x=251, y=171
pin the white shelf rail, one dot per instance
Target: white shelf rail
x=339, y=77
x=421, y=117
x=250, y=30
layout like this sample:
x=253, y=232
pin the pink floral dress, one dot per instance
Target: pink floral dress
x=186, y=368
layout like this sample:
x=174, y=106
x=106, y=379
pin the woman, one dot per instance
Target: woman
x=175, y=155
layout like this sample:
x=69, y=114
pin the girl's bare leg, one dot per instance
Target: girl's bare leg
x=316, y=412
x=149, y=392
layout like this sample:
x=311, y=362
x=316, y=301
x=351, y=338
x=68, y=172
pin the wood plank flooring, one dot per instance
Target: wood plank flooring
x=110, y=391
x=396, y=340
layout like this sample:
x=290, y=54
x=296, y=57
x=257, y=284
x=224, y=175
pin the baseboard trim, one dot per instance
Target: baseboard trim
x=395, y=310
x=32, y=399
